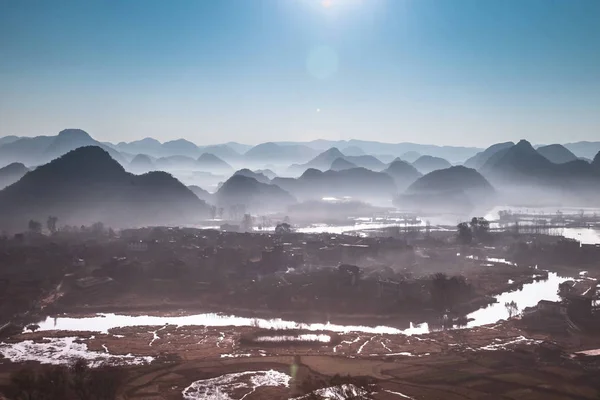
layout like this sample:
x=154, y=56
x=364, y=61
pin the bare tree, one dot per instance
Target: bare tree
x=512, y=308
x=51, y=224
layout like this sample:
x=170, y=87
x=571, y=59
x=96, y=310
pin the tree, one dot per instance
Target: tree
x=512, y=308
x=283, y=229
x=220, y=212
x=51, y=224
x=98, y=228
x=247, y=223
x=213, y=212
x=480, y=227
x=465, y=236
x=35, y=226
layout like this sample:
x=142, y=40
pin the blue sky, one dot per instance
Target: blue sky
x=457, y=72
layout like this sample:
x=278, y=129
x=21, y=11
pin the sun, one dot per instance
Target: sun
x=327, y=3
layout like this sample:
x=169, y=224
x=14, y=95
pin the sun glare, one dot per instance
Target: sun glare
x=327, y=3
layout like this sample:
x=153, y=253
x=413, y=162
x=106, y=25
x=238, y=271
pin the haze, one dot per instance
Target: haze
x=466, y=72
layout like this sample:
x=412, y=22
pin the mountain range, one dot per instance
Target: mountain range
x=87, y=185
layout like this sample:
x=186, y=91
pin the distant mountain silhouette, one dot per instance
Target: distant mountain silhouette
x=223, y=151
x=367, y=161
x=210, y=162
x=411, y=156
x=8, y=139
x=520, y=159
x=141, y=163
x=176, y=163
x=148, y=146
x=180, y=147
x=353, y=151
x=403, y=174
x=275, y=153
x=596, y=161
x=254, y=195
x=456, y=190
x=584, y=149
x=11, y=174
x=523, y=174
x=255, y=175
x=358, y=183
x=42, y=149
x=427, y=164
x=71, y=139
x=557, y=153
x=321, y=162
x=341, y=163
x=266, y=172
x=202, y=194
x=479, y=159
x=86, y=185
x=452, y=153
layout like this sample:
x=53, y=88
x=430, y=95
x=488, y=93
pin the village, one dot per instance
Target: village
x=433, y=284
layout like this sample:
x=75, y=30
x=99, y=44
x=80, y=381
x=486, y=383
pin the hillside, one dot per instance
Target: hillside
x=176, y=163
x=42, y=149
x=254, y=175
x=210, y=162
x=11, y=174
x=255, y=196
x=427, y=164
x=86, y=185
x=557, y=153
x=403, y=174
x=358, y=183
x=479, y=159
x=341, y=163
x=277, y=153
x=141, y=163
x=202, y=194
x=453, y=190
x=367, y=161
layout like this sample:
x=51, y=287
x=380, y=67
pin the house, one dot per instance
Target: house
x=137, y=246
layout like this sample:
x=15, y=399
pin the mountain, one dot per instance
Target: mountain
x=521, y=159
x=584, y=149
x=482, y=157
x=557, y=153
x=86, y=185
x=254, y=175
x=239, y=148
x=403, y=173
x=180, y=147
x=26, y=150
x=177, y=162
x=341, y=163
x=141, y=163
x=210, y=162
x=353, y=151
x=148, y=146
x=451, y=153
x=452, y=190
x=8, y=139
x=222, y=151
x=321, y=162
x=359, y=183
x=524, y=175
x=266, y=172
x=202, y=194
x=11, y=174
x=366, y=161
x=71, y=139
x=41, y=149
x=254, y=195
x=427, y=164
x=596, y=162
x=281, y=154
x=410, y=156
